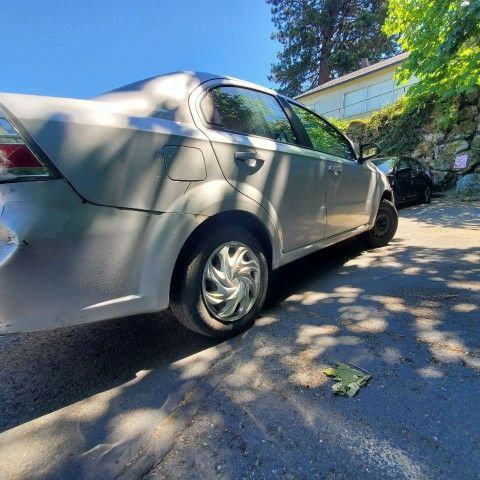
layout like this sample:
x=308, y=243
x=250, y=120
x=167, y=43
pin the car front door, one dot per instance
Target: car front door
x=419, y=182
x=350, y=185
x=404, y=176
x=260, y=156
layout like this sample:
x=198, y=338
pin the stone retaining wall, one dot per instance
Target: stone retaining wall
x=444, y=151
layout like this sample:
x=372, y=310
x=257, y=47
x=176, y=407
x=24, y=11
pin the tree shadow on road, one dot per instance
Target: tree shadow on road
x=446, y=213
x=408, y=314
x=94, y=358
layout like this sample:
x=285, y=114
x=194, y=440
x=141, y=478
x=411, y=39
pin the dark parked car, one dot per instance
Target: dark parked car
x=409, y=178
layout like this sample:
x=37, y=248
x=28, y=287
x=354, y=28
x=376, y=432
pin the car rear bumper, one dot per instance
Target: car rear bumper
x=64, y=261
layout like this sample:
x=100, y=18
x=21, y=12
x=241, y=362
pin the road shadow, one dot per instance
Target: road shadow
x=291, y=278
x=66, y=365
x=407, y=313
x=103, y=355
x=445, y=213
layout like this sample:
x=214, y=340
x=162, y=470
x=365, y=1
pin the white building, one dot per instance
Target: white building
x=358, y=93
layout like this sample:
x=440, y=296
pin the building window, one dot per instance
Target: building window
x=380, y=94
x=354, y=102
x=369, y=98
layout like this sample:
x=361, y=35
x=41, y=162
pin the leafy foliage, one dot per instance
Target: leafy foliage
x=395, y=127
x=341, y=124
x=349, y=380
x=323, y=39
x=322, y=135
x=443, y=37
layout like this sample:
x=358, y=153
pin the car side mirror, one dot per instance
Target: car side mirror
x=368, y=150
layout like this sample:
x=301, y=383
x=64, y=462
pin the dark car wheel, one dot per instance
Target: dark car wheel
x=220, y=286
x=426, y=196
x=385, y=226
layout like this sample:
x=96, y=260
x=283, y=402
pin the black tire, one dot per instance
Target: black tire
x=187, y=301
x=386, y=223
x=426, y=195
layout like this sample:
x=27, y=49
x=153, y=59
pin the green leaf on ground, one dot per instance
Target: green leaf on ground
x=349, y=379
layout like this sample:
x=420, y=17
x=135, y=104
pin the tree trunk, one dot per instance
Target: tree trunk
x=323, y=69
x=327, y=34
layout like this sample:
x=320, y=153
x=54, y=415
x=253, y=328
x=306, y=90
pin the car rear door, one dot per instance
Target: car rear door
x=259, y=154
x=350, y=185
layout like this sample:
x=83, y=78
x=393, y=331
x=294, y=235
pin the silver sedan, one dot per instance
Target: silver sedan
x=183, y=191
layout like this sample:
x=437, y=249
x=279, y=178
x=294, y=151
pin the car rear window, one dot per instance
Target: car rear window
x=248, y=112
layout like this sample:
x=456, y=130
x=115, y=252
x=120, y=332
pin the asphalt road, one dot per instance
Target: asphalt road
x=143, y=398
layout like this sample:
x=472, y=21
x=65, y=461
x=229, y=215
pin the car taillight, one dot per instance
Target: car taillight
x=17, y=161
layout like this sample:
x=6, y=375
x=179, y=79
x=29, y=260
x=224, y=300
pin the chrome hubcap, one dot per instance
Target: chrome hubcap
x=231, y=281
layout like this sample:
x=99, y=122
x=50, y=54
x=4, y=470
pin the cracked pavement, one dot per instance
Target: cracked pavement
x=143, y=398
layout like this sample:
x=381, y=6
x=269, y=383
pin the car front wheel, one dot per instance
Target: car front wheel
x=385, y=226
x=220, y=286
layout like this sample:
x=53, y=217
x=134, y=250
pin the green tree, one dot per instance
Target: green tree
x=322, y=39
x=443, y=37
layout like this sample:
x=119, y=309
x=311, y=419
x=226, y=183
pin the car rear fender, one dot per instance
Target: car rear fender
x=113, y=158
x=213, y=197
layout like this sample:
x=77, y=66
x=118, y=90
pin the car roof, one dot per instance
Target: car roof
x=167, y=92
x=192, y=76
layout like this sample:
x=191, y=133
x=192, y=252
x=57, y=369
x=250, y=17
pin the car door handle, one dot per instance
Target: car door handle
x=336, y=169
x=251, y=158
x=247, y=156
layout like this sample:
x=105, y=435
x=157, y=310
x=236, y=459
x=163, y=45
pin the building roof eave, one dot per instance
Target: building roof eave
x=356, y=74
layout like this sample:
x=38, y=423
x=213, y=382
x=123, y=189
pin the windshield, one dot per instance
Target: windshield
x=385, y=165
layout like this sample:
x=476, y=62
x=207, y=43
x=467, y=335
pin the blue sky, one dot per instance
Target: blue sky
x=83, y=48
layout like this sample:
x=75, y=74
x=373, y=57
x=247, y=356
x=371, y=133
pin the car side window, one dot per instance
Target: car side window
x=385, y=165
x=403, y=164
x=324, y=137
x=248, y=112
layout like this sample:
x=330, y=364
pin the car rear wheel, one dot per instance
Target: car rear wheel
x=385, y=227
x=220, y=286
